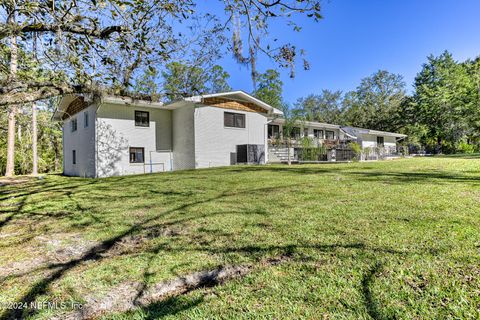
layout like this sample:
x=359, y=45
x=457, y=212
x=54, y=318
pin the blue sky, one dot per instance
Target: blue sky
x=357, y=38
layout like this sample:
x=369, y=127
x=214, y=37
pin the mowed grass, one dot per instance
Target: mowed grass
x=383, y=240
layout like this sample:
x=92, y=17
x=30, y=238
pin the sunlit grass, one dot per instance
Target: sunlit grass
x=394, y=239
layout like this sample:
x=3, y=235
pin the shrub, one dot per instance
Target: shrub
x=357, y=149
x=465, y=147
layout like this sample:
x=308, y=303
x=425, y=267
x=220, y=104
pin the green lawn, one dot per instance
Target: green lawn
x=393, y=239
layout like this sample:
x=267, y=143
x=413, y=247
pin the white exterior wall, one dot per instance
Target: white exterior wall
x=83, y=142
x=390, y=142
x=116, y=133
x=370, y=141
x=183, y=138
x=214, y=142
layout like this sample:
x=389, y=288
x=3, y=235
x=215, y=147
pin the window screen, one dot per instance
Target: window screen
x=73, y=125
x=142, y=119
x=137, y=155
x=380, y=141
x=318, y=133
x=234, y=120
x=273, y=131
x=330, y=135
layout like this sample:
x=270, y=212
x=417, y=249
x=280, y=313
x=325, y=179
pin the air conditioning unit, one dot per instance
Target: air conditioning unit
x=251, y=153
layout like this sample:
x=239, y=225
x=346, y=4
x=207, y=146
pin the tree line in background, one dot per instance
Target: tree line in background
x=441, y=115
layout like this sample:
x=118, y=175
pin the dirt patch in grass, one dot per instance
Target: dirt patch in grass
x=46, y=251
x=14, y=181
x=61, y=248
x=131, y=243
x=130, y=295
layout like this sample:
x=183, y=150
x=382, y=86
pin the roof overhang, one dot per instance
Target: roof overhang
x=63, y=105
x=354, y=131
x=116, y=100
x=235, y=95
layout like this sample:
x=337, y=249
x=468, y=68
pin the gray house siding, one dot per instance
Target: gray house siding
x=117, y=133
x=183, y=138
x=82, y=141
x=214, y=142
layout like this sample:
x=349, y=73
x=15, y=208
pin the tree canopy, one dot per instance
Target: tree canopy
x=323, y=107
x=94, y=45
x=181, y=80
x=442, y=115
x=270, y=89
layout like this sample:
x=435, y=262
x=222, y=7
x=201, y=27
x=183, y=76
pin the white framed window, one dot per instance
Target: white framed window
x=85, y=119
x=234, y=120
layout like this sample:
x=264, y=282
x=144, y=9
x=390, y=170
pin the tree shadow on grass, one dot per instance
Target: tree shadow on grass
x=170, y=307
x=371, y=304
x=369, y=174
x=97, y=252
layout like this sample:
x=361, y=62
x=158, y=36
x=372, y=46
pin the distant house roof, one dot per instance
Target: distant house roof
x=311, y=124
x=354, y=132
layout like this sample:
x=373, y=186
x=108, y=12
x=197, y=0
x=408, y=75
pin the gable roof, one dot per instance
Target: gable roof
x=237, y=95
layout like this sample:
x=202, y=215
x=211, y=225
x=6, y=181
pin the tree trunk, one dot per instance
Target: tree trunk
x=439, y=146
x=34, y=140
x=10, y=169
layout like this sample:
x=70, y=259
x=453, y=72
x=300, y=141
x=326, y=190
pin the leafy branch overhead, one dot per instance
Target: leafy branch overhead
x=91, y=46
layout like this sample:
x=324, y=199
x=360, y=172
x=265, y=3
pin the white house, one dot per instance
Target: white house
x=118, y=136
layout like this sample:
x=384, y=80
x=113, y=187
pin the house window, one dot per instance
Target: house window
x=330, y=135
x=85, y=119
x=234, y=120
x=73, y=124
x=142, y=119
x=74, y=156
x=305, y=132
x=295, y=133
x=317, y=133
x=380, y=141
x=273, y=131
x=137, y=155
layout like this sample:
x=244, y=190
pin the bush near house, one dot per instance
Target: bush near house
x=393, y=239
